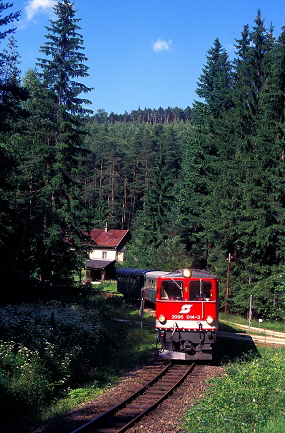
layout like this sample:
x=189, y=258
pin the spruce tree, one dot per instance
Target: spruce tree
x=11, y=95
x=253, y=213
x=215, y=82
x=269, y=156
x=205, y=151
x=249, y=77
x=8, y=62
x=5, y=63
x=62, y=212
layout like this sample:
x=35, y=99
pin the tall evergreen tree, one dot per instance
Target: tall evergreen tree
x=10, y=115
x=204, y=152
x=244, y=198
x=12, y=93
x=249, y=77
x=62, y=212
x=5, y=65
x=215, y=82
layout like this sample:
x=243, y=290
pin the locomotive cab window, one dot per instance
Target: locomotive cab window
x=200, y=290
x=171, y=290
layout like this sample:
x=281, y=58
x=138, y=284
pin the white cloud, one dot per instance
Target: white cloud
x=230, y=47
x=161, y=45
x=37, y=6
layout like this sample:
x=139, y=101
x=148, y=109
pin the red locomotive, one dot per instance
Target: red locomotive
x=186, y=305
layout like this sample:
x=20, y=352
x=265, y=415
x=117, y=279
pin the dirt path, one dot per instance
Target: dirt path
x=258, y=335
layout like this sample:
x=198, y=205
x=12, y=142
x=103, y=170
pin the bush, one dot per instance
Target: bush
x=45, y=349
x=23, y=385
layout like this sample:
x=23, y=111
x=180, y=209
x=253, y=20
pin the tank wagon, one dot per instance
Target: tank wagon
x=187, y=307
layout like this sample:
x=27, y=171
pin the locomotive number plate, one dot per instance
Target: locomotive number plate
x=187, y=317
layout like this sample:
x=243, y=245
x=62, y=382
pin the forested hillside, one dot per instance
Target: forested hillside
x=205, y=182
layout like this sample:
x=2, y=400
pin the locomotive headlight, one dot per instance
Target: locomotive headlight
x=186, y=273
x=210, y=320
x=162, y=319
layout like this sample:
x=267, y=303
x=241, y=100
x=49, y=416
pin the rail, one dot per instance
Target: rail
x=128, y=412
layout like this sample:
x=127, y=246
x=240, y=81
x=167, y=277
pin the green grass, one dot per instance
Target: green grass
x=273, y=326
x=249, y=397
x=275, y=425
x=106, y=286
x=139, y=344
x=54, y=356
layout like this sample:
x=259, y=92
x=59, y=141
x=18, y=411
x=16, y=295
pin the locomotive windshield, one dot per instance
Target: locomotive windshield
x=171, y=290
x=200, y=290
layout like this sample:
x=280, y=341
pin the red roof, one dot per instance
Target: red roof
x=111, y=238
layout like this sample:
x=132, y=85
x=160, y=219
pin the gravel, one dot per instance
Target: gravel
x=166, y=418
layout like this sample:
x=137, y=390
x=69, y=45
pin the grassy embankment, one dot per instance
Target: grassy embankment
x=55, y=355
x=250, y=396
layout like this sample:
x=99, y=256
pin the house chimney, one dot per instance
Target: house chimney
x=106, y=227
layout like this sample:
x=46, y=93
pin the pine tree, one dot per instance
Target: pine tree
x=9, y=88
x=215, y=83
x=14, y=217
x=62, y=212
x=12, y=94
x=205, y=151
x=5, y=62
x=249, y=77
x=250, y=192
x=8, y=78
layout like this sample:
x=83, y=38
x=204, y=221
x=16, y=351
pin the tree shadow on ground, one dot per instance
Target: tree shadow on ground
x=229, y=349
x=225, y=327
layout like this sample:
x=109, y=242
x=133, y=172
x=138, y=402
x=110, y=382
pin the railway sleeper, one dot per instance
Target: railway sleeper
x=141, y=407
x=119, y=422
x=154, y=392
x=110, y=425
x=107, y=430
x=166, y=381
x=149, y=397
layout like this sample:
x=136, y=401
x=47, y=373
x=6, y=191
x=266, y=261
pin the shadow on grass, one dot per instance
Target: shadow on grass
x=231, y=349
x=228, y=328
x=234, y=343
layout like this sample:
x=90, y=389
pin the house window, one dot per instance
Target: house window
x=104, y=254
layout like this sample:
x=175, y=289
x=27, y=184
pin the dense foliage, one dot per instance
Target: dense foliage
x=49, y=351
x=43, y=211
x=206, y=182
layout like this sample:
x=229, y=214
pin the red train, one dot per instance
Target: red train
x=187, y=308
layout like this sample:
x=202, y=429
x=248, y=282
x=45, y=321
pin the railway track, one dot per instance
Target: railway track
x=127, y=413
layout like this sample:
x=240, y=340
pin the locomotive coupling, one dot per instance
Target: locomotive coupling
x=187, y=346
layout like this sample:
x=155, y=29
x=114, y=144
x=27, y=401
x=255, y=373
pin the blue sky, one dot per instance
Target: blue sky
x=145, y=53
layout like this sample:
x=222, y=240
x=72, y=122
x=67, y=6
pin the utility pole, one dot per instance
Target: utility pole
x=250, y=312
x=228, y=283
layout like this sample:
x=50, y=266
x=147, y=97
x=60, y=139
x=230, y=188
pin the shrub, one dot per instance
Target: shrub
x=44, y=350
x=47, y=351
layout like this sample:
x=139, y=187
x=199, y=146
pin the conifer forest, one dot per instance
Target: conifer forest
x=201, y=184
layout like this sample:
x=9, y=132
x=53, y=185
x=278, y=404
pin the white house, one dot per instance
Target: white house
x=108, y=249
